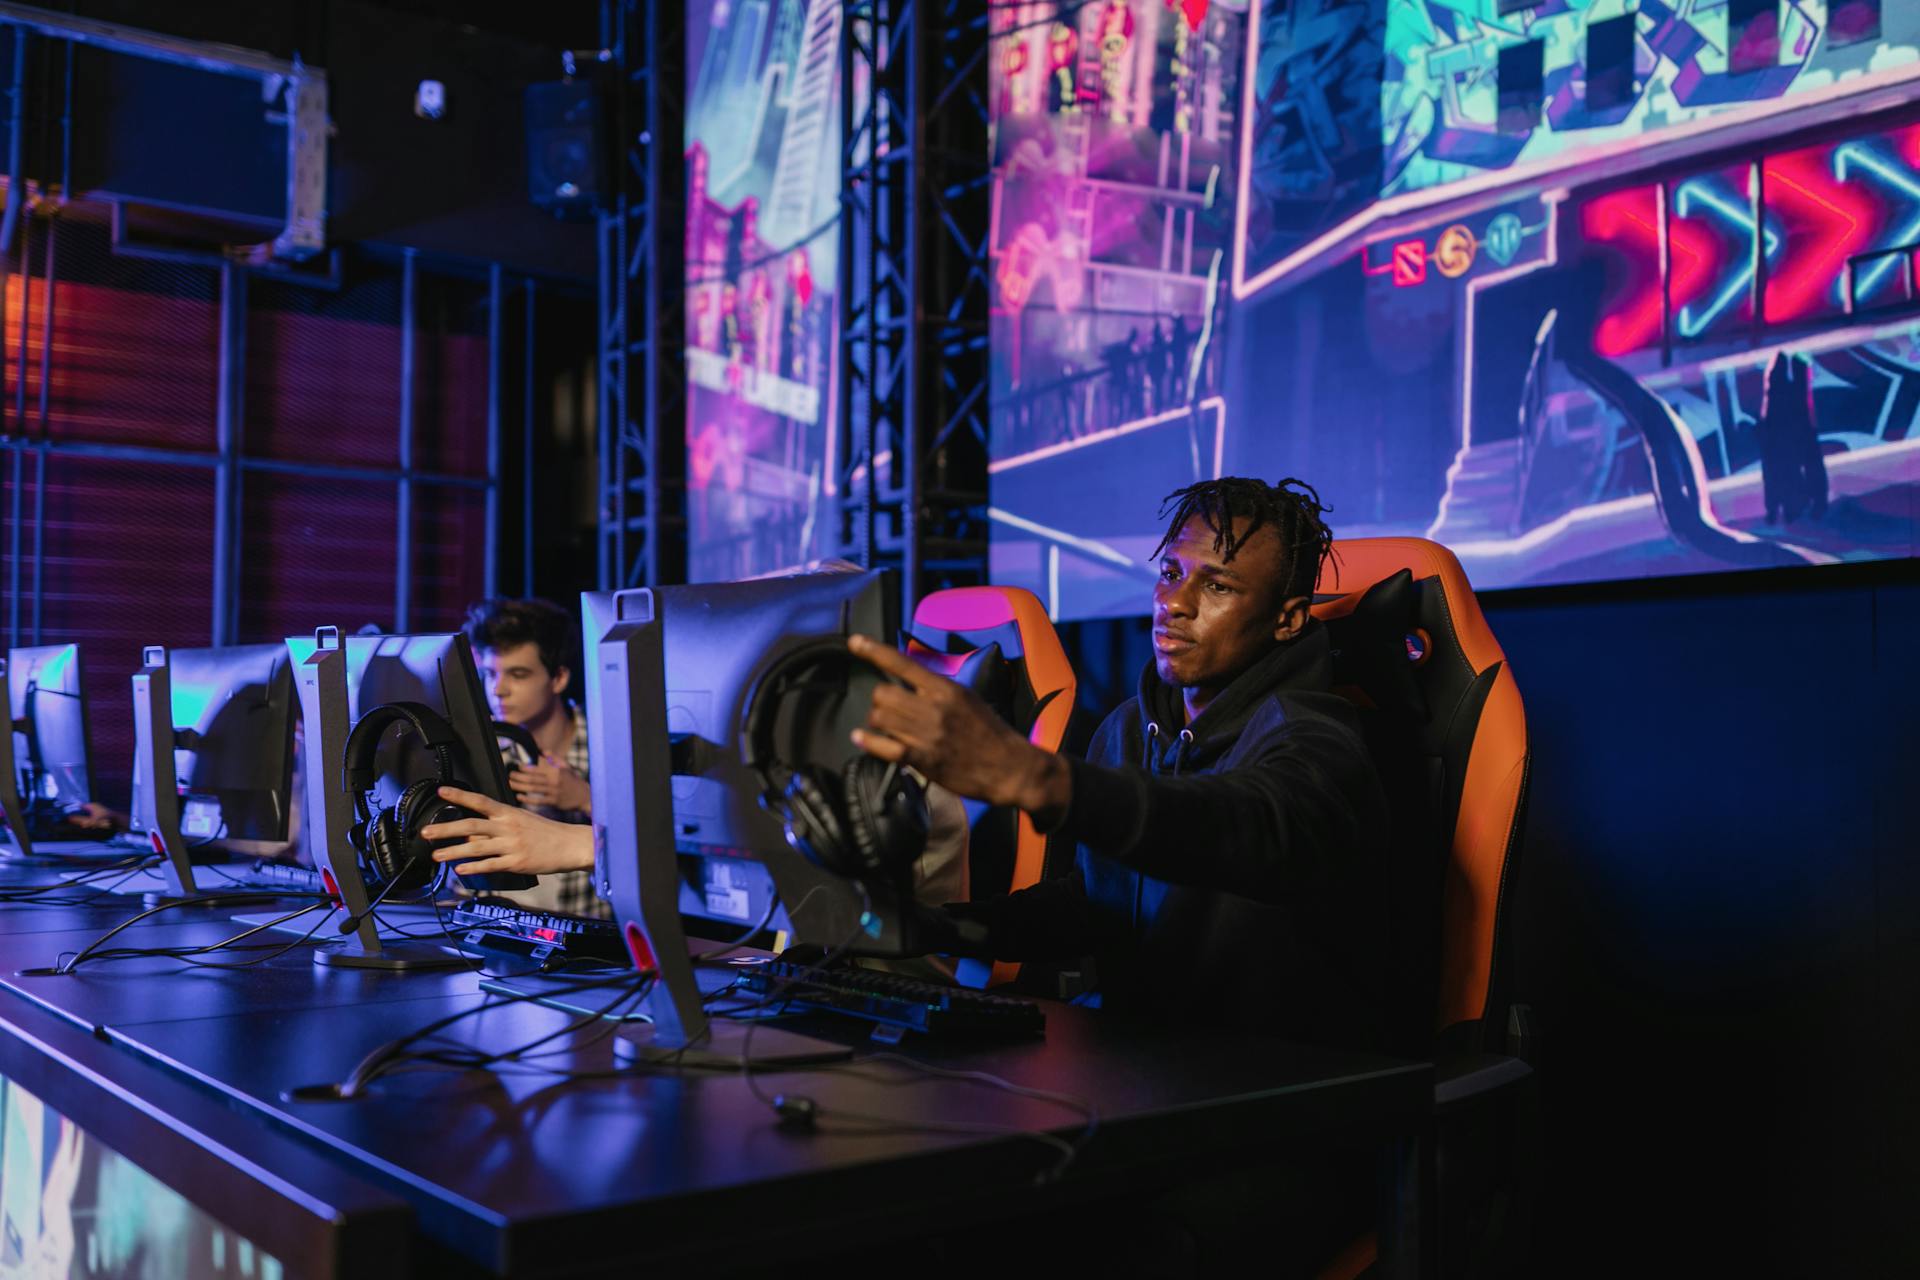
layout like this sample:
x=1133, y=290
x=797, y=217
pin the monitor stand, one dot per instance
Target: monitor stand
x=739, y=1046
x=635, y=863
x=13, y=809
x=156, y=792
x=722, y=1043
x=322, y=684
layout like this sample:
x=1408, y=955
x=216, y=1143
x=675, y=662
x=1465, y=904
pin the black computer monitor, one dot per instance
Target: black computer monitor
x=669, y=675
x=437, y=671
x=50, y=727
x=43, y=747
x=718, y=639
x=233, y=714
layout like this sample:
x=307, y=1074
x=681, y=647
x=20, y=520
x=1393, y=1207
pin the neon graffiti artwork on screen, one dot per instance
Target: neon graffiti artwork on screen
x=763, y=179
x=1642, y=300
x=1113, y=153
x=1610, y=71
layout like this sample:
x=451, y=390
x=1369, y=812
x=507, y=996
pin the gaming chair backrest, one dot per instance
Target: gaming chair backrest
x=1463, y=717
x=1000, y=642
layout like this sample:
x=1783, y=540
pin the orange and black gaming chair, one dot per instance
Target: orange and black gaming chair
x=1000, y=642
x=1444, y=720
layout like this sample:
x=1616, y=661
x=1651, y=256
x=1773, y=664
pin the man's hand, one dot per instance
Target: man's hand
x=504, y=838
x=93, y=816
x=955, y=739
x=551, y=785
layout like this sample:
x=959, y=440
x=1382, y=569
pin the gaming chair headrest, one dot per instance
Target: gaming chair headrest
x=986, y=671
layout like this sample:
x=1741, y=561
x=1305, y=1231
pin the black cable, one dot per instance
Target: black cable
x=1085, y=1106
x=211, y=899
x=766, y=918
x=132, y=865
x=352, y=922
x=274, y=954
x=94, y=951
x=392, y=1054
x=613, y=1015
x=777, y=992
x=95, y=892
x=217, y=833
x=31, y=893
x=462, y=1058
x=393, y=1057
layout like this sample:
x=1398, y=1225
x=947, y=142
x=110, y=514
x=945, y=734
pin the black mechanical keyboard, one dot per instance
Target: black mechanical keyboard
x=930, y=1008
x=540, y=936
x=274, y=877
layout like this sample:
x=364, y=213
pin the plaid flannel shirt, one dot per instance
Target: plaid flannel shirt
x=568, y=892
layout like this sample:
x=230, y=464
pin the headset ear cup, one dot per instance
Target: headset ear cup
x=435, y=810
x=813, y=824
x=381, y=851
x=864, y=815
x=410, y=858
x=887, y=817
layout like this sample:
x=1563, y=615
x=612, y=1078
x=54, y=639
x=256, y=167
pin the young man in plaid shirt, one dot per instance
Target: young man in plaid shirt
x=524, y=649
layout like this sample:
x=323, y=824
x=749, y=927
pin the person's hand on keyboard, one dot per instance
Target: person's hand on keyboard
x=506, y=838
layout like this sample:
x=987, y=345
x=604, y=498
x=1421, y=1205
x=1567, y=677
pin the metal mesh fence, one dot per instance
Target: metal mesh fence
x=123, y=537
x=323, y=370
x=449, y=555
x=450, y=377
x=135, y=344
x=127, y=548
x=316, y=552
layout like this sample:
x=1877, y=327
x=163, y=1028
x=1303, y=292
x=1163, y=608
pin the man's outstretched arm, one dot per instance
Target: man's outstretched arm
x=1282, y=824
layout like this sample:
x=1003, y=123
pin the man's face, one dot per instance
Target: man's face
x=1212, y=619
x=519, y=686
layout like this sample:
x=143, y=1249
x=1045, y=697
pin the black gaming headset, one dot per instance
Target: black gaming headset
x=867, y=821
x=388, y=839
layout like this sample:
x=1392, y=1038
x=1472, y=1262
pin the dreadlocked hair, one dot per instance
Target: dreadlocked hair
x=1292, y=508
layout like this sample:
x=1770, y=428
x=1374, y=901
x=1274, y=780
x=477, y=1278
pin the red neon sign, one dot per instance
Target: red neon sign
x=1630, y=221
x=1824, y=222
x=1409, y=263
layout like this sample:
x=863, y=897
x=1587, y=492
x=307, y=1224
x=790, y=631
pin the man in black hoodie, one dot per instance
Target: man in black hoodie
x=1231, y=827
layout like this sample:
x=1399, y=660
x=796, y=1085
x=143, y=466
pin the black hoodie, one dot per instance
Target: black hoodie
x=1232, y=871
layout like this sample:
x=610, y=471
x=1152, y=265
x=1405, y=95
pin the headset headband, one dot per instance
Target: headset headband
x=364, y=741
x=763, y=702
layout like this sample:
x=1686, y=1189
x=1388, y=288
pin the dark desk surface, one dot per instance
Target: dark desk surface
x=529, y=1173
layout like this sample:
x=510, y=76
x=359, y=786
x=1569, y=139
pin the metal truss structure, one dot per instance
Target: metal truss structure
x=642, y=392
x=915, y=292
x=26, y=442
x=305, y=103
